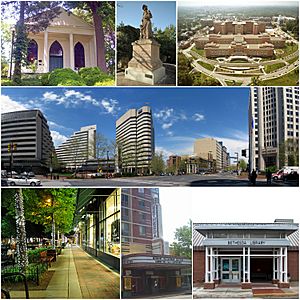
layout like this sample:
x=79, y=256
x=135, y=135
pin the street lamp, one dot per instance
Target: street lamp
x=50, y=202
x=107, y=159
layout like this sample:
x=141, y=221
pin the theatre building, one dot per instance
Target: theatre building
x=147, y=266
x=246, y=253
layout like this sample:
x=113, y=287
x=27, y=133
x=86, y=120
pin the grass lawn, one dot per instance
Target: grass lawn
x=206, y=65
x=199, y=51
x=290, y=79
x=292, y=60
x=288, y=49
x=233, y=83
x=274, y=67
x=25, y=82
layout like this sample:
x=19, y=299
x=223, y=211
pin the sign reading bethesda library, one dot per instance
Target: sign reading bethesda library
x=246, y=242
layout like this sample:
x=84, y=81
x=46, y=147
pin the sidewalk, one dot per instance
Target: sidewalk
x=77, y=276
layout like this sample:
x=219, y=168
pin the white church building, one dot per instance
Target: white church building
x=68, y=42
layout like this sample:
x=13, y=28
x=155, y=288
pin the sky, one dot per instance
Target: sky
x=180, y=115
x=163, y=13
x=171, y=205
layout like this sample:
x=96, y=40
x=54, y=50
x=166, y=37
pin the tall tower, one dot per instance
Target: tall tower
x=78, y=148
x=135, y=141
x=273, y=122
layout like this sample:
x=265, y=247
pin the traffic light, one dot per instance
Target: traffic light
x=15, y=147
x=9, y=147
x=244, y=152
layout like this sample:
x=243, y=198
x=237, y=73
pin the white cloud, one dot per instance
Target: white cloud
x=57, y=138
x=110, y=106
x=9, y=105
x=50, y=96
x=198, y=117
x=166, y=125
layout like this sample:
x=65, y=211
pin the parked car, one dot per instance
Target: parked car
x=279, y=175
x=23, y=180
x=28, y=174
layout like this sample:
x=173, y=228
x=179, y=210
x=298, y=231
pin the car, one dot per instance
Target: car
x=28, y=174
x=4, y=182
x=23, y=180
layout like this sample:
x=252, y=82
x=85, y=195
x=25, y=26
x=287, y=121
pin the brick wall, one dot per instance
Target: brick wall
x=198, y=266
x=293, y=264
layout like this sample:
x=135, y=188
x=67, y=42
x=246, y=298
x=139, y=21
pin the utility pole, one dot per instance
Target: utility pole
x=11, y=148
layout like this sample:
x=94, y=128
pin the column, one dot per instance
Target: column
x=206, y=264
x=217, y=265
x=244, y=265
x=211, y=265
x=280, y=266
x=274, y=265
x=248, y=267
x=285, y=265
x=95, y=55
x=71, y=54
x=45, y=53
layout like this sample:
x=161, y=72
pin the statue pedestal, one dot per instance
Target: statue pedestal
x=145, y=65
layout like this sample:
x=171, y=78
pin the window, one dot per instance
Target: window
x=125, y=229
x=142, y=230
x=125, y=200
x=32, y=51
x=141, y=203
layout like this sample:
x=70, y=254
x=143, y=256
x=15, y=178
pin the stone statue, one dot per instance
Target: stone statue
x=145, y=27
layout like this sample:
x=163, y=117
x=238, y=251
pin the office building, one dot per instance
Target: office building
x=80, y=147
x=147, y=266
x=26, y=141
x=246, y=253
x=273, y=127
x=135, y=140
x=213, y=151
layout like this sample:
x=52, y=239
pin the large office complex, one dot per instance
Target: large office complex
x=135, y=140
x=147, y=267
x=231, y=38
x=79, y=148
x=246, y=253
x=213, y=151
x=273, y=126
x=26, y=143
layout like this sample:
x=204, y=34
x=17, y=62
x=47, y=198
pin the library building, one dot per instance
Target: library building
x=246, y=253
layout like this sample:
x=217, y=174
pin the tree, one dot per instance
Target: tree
x=183, y=241
x=242, y=164
x=39, y=14
x=102, y=14
x=22, y=257
x=289, y=153
x=157, y=164
x=255, y=81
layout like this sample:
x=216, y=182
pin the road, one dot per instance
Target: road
x=163, y=181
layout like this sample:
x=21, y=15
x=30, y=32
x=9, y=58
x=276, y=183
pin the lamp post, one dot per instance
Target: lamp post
x=50, y=202
x=107, y=159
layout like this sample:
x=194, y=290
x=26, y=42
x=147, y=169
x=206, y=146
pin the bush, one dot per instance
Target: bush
x=94, y=76
x=45, y=79
x=65, y=77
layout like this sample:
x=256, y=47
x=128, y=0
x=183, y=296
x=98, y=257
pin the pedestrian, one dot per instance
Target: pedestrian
x=253, y=177
x=269, y=177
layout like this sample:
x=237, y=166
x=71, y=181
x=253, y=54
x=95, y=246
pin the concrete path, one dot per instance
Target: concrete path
x=77, y=276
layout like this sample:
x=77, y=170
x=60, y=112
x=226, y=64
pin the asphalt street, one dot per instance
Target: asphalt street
x=161, y=181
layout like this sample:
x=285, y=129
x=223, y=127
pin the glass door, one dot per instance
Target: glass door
x=230, y=270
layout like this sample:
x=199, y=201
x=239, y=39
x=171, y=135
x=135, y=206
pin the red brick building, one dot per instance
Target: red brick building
x=244, y=253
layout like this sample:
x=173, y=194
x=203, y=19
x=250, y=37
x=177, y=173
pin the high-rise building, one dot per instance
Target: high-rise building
x=135, y=140
x=273, y=126
x=79, y=148
x=30, y=136
x=212, y=150
x=157, y=228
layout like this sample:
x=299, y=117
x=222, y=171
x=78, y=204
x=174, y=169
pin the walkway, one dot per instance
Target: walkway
x=77, y=276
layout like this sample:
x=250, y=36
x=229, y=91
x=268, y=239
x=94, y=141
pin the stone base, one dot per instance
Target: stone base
x=275, y=281
x=141, y=75
x=283, y=285
x=246, y=285
x=209, y=285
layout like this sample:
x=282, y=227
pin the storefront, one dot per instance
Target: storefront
x=246, y=253
x=149, y=274
x=98, y=224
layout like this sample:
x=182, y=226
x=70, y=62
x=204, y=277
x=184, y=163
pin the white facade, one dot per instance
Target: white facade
x=80, y=147
x=70, y=35
x=273, y=119
x=135, y=139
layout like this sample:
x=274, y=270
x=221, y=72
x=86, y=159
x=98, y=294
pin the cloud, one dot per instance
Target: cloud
x=58, y=138
x=198, y=117
x=9, y=105
x=110, y=106
x=50, y=96
x=166, y=125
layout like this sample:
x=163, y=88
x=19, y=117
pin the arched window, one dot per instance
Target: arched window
x=32, y=51
x=79, y=55
x=56, y=56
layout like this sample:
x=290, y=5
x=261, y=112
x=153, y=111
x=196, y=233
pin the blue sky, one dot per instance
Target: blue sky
x=163, y=13
x=180, y=114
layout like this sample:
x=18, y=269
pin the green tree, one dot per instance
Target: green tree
x=185, y=77
x=289, y=153
x=242, y=164
x=158, y=164
x=255, y=81
x=183, y=241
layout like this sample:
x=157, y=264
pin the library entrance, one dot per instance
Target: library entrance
x=230, y=270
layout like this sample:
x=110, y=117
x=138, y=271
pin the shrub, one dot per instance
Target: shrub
x=65, y=77
x=45, y=79
x=94, y=76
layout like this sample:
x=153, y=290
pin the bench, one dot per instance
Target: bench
x=52, y=253
x=45, y=258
